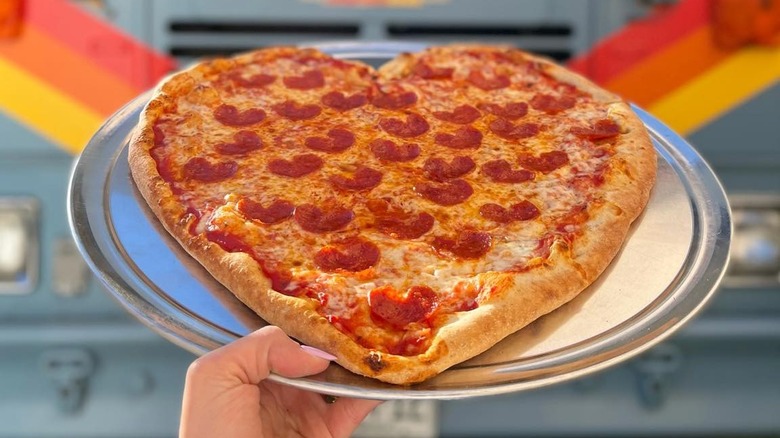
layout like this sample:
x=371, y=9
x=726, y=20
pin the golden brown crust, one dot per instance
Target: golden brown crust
x=635, y=177
x=518, y=298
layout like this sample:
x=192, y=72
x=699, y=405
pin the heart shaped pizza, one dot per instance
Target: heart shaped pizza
x=404, y=219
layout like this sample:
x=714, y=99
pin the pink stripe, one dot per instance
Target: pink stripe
x=107, y=46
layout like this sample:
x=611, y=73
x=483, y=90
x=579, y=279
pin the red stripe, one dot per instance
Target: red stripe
x=108, y=47
x=618, y=52
x=650, y=79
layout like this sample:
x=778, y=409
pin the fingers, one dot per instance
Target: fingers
x=346, y=414
x=252, y=358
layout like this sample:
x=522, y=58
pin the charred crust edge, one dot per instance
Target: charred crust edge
x=375, y=362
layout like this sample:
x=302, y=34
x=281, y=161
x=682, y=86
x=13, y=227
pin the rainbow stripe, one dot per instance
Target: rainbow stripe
x=67, y=71
x=669, y=65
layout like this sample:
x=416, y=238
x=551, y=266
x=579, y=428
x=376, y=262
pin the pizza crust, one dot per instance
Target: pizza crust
x=517, y=298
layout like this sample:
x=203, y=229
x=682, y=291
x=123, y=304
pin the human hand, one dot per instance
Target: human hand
x=226, y=393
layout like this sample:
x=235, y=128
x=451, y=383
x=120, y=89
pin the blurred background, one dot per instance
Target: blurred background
x=74, y=363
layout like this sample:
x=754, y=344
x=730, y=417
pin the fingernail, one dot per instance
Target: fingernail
x=318, y=353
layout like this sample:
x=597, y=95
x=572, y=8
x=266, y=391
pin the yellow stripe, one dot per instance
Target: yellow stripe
x=404, y=3
x=720, y=88
x=69, y=124
x=43, y=108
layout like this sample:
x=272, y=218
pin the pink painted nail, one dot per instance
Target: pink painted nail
x=318, y=353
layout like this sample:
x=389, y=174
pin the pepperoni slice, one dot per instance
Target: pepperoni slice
x=313, y=219
x=586, y=182
x=299, y=166
x=495, y=82
x=468, y=244
x=426, y=71
x=276, y=212
x=397, y=223
x=389, y=151
x=381, y=206
x=545, y=162
x=501, y=171
x=228, y=242
x=574, y=217
x=510, y=111
x=364, y=178
x=447, y=193
x=601, y=130
x=394, y=101
x=440, y=170
x=254, y=81
x=231, y=116
x=295, y=111
x=413, y=126
x=243, y=142
x=416, y=305
x=307, y=81
x=166, y=169
x=462, y=115
x=338, y=101
x=200, y=169
x=195, y=214
x=159, y=135
x=521, y=211
x=466, y=137
x=551, y=104
x=354, y=254
x=281, y=280
x=508, y=130
x=338, y=140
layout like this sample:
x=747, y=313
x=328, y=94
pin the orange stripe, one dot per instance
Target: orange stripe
x=737, y=78
x=68, y=71
x=668, y=69
x=56, y=116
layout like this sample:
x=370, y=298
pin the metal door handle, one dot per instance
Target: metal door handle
x=69, y=369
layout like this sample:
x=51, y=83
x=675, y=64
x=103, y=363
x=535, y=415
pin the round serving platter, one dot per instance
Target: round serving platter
x=669, y=267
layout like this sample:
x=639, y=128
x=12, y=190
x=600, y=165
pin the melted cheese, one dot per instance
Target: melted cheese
x=192, y=131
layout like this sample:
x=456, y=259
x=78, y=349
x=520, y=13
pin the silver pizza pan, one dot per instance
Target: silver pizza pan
x=668, y=269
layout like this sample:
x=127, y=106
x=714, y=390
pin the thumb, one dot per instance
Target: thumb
x=254, y=357
x=221, y=384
